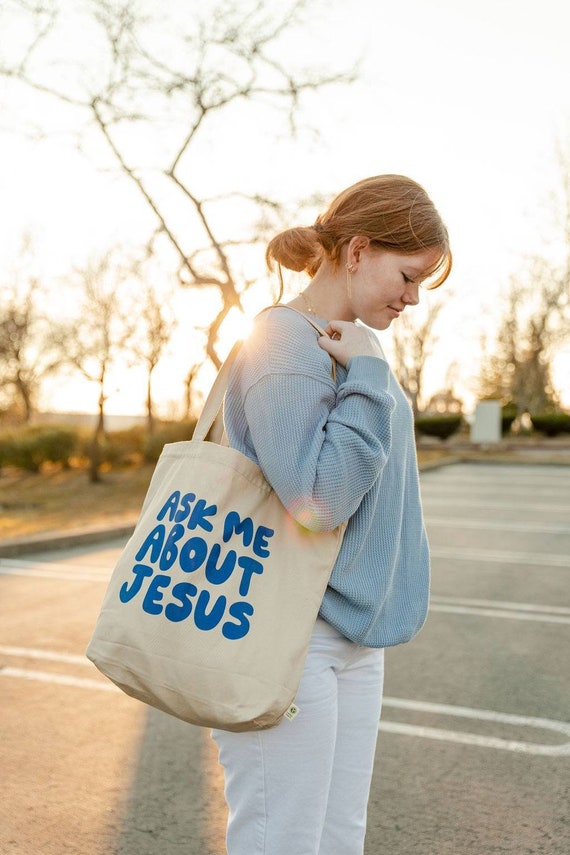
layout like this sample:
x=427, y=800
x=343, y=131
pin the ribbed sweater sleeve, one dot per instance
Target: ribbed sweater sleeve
x=320, y=455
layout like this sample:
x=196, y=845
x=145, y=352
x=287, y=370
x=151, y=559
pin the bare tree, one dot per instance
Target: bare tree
x=517, y=367
x=98, y=336
x=536, y=317
x=165, y=73
x=153, y=329
x=413, y=338
x=27, y=352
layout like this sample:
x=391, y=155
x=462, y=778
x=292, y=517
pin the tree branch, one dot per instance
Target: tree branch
x=135, y=178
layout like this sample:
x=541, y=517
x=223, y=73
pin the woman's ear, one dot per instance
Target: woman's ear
x=355, y=247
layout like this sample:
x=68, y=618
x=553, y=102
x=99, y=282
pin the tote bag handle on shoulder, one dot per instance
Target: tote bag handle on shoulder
x=213, y=403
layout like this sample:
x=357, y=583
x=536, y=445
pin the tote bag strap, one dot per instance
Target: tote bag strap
x=214, y=400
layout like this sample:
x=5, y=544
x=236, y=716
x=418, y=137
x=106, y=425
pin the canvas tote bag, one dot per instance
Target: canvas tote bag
x=209, y=611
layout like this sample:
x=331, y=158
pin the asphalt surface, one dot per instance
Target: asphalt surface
x=474, y=744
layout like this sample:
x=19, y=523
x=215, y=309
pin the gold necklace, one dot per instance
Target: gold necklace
x=305, y=300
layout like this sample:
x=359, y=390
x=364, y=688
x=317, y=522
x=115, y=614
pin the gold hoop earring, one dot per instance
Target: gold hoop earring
x=349, y=269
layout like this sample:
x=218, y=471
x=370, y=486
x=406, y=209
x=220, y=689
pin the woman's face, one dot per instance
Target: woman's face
x=383, y=282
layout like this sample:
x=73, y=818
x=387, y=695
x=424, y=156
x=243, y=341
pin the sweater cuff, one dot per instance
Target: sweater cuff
x=368, y=369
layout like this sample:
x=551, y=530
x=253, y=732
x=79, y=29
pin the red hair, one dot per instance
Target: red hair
x=392, y=211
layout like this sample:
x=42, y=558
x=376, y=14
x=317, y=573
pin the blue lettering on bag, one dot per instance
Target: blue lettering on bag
x=181, y=592
x=202, y=619
x=218, y=575
x=153, y=541
x=170, y=506
x=178, y=508
x=170, y=552
x=249, y=566
x=153, y=597
x=182, y=607
x=193, y=554
x=164, y=547
x=127, y=593
x=184, y=510
x=235, y=631
x=201, y=511
x=260, y=545
x=234, y=525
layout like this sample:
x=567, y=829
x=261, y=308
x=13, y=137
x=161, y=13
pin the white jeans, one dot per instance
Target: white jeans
x=303, y=786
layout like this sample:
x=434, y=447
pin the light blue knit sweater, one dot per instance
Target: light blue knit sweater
x=332, y=452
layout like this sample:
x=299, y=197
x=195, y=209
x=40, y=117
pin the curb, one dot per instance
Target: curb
x=64, y=539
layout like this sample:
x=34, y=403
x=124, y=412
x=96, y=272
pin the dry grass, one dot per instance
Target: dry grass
x=65, y=499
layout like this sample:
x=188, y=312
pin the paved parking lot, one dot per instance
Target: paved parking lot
x=474, y=744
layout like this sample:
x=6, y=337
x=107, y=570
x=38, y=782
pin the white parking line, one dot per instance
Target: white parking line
x=51, y=565
x=480, y=489
x=493, y=475
x=48, y=574
x=59, y=679
x=48, y=655
x=53, y=570
x=441, y=734
x=501, y=525
x=464, y=738
x=52, y=677
x=501, y=556
x=551, y=489
x=499, y=609
x=458, y=500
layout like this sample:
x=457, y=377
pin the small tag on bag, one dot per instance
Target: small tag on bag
x=292, y=712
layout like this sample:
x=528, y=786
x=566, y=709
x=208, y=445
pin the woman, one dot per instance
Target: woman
x=335, y=451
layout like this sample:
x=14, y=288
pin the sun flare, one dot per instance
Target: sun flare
x=236, y=327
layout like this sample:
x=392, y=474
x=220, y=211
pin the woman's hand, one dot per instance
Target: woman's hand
x=348, y=340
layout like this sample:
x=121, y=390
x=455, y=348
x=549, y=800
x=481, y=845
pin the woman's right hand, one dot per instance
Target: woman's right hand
x=348, y=340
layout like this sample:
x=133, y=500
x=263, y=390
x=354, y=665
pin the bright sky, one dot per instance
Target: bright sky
x=466, y=96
